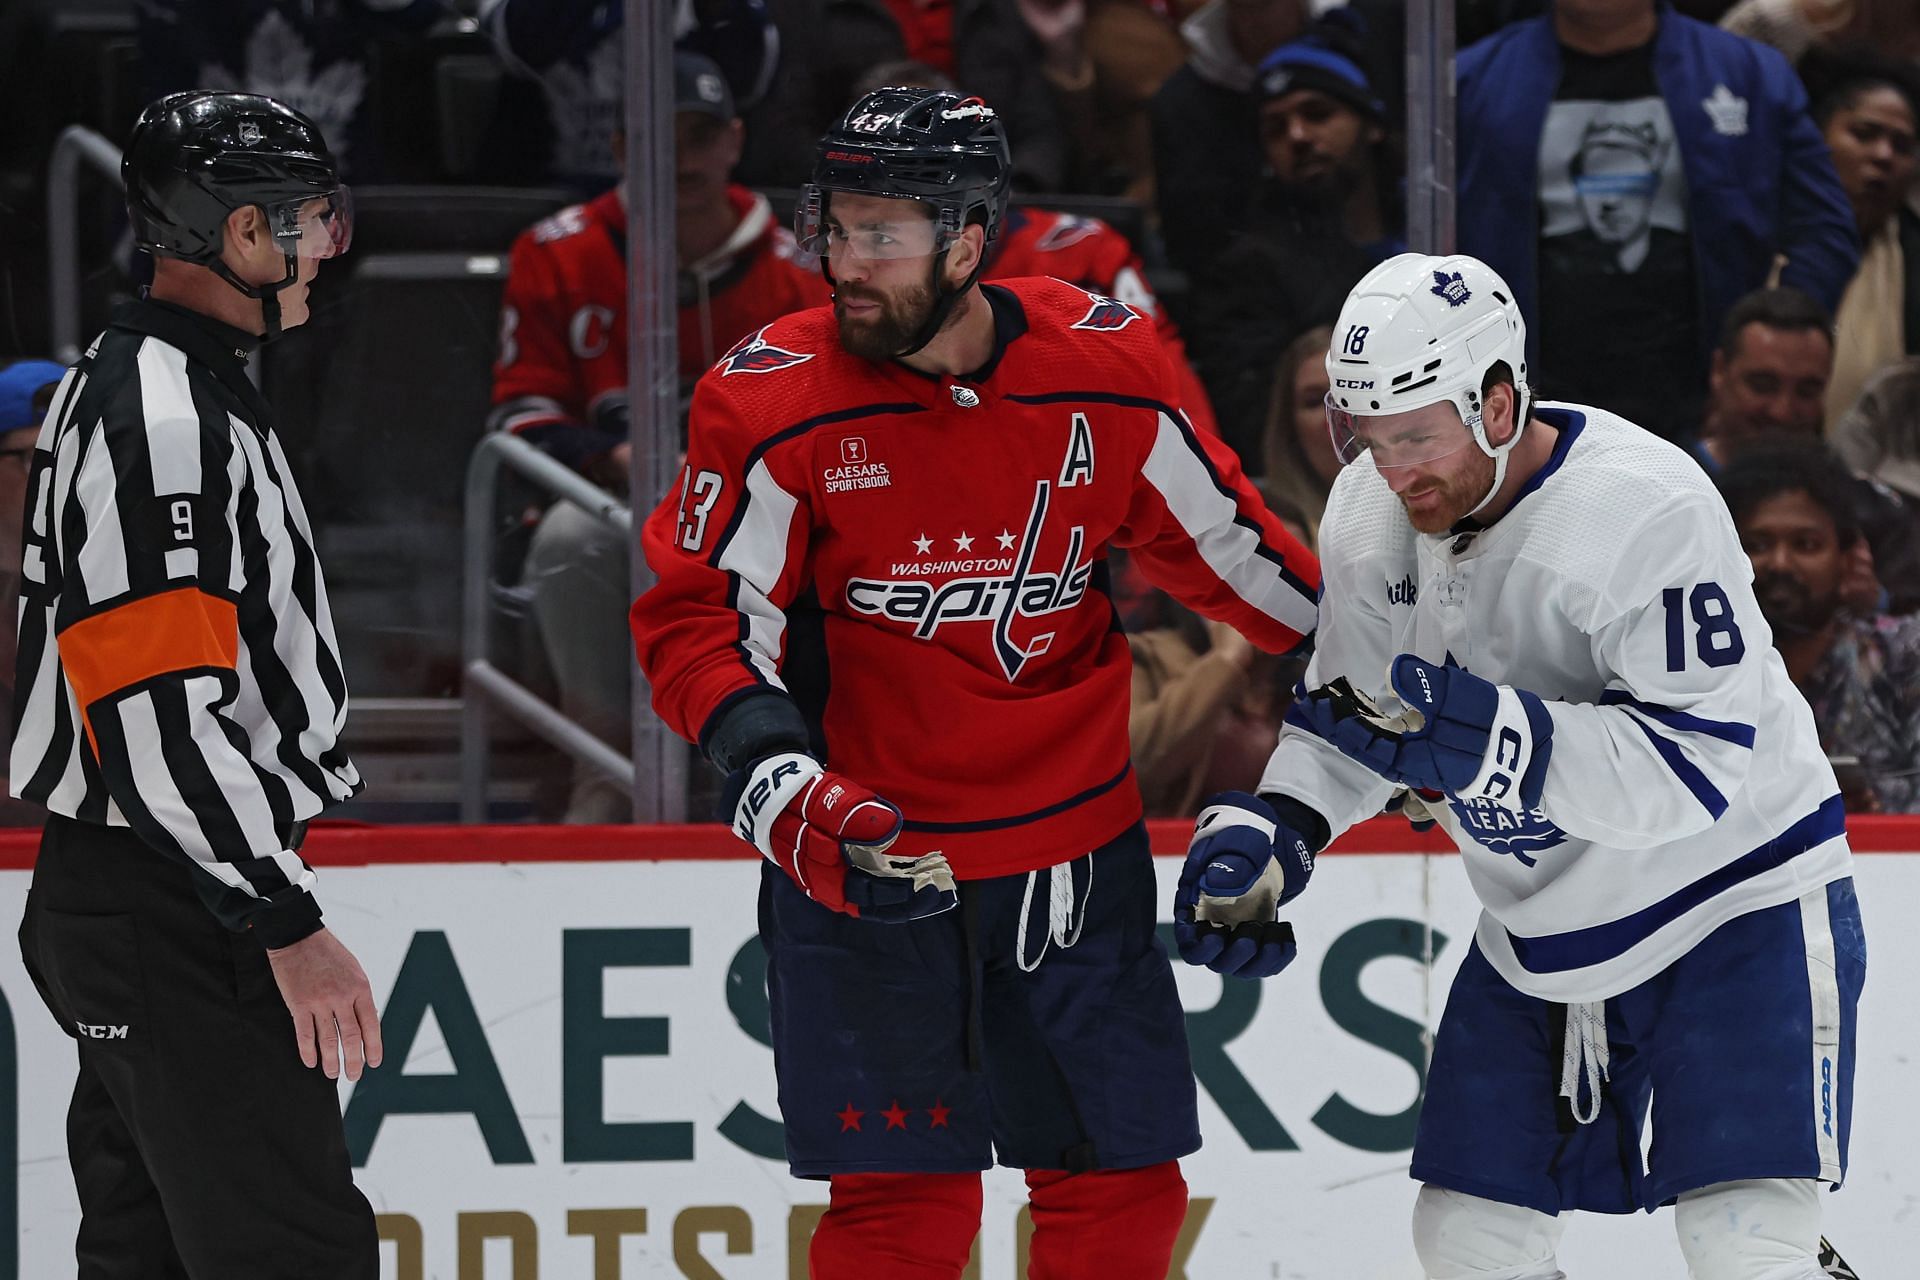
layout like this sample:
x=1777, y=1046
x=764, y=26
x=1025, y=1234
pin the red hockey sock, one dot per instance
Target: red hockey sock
x=1111, y=1224
x=897, y=1226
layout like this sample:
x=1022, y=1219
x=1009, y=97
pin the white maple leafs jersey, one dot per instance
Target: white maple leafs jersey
x=1686, y=786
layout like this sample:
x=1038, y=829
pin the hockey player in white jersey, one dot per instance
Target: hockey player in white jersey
x=1538, y=622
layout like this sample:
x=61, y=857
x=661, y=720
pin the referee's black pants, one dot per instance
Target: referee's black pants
x=201, y=1147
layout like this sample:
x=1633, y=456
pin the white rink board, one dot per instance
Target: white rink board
x=1329, y=1210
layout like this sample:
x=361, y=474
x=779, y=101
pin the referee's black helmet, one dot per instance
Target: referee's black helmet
x=198, y=155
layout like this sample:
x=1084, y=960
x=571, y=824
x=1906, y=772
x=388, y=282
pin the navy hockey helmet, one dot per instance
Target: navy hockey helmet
x=932, y=145
x=941, y=148
x=198, y=155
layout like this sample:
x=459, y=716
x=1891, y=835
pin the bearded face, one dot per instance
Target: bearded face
x=877, y=323
x=885, y=255
x=1798, y=562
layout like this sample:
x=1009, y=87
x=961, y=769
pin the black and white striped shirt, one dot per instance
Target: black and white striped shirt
x=178, y=672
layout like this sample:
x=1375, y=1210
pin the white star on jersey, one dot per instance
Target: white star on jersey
x=1005, y=540
x=923, y=544
x=964, y=542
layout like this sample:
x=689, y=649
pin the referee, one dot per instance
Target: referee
x=180, y=701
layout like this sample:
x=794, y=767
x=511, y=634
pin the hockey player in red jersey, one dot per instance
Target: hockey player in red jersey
x=881, y=608
x=1072, y=247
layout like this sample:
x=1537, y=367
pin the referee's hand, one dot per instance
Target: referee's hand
x=326, y=991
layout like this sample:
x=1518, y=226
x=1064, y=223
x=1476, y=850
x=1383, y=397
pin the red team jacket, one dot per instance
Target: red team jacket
x=563, y=322
x=1091, y=254
x=920, y=562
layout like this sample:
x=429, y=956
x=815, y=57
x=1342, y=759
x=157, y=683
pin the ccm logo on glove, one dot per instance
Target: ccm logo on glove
x=1506, y=755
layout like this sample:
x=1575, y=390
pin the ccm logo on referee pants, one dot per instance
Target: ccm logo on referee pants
x=101, y=1033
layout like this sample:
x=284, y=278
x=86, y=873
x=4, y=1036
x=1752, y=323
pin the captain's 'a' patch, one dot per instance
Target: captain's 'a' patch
x=1077, y=468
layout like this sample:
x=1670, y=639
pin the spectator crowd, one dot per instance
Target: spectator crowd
x=1707, y=210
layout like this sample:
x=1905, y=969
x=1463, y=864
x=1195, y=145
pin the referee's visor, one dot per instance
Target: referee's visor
x=318, y=226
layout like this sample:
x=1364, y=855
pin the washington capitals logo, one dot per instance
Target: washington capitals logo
x=968, y=109
x=1068, y=231
x=1106, y=314
x=1011, y=595
x=1451, y=287
x=755, y=354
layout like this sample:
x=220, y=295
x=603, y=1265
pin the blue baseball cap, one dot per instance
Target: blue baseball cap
x=20, y=382
x=1325, y=61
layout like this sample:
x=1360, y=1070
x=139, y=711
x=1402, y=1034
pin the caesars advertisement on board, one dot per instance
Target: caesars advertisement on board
x=578, y=1082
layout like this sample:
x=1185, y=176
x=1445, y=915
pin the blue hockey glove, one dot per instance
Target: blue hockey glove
x=1242, y=865
x=1467, y=737
x=831, y=835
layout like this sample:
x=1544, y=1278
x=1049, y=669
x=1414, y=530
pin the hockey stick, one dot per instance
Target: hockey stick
x=1835, y=1265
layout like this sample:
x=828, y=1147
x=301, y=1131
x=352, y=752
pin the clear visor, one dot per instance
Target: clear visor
x=1405, y=439
x=318, y=227
x=905, y=230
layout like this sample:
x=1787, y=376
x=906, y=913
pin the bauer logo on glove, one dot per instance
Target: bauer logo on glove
x=831, y=836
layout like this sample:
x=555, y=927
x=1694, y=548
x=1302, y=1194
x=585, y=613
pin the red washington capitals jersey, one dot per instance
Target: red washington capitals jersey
x=1091, y=254
x=921, y=563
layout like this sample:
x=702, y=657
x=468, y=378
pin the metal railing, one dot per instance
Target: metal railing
x=486, y=686
x=75, y=145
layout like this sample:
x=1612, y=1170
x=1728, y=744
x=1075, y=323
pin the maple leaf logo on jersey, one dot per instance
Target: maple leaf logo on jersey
x=754, y=354
x=280, y=63
x=1106, y=314
x=586, y=96
x=1522, y=837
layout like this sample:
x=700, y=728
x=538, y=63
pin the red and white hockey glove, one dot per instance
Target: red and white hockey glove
x=831, y=835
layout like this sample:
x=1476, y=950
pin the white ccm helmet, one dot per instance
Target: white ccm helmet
x=1415, y=331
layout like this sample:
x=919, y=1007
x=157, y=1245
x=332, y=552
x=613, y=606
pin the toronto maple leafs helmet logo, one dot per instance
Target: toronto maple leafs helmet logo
x=1106, y=314
x=1450, y=286
x=754, y=354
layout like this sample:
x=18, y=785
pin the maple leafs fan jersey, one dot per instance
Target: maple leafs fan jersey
x=1686, y=785
x=920, y=562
